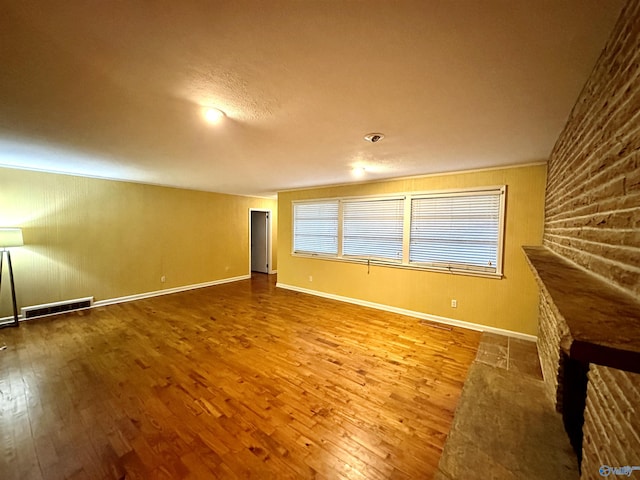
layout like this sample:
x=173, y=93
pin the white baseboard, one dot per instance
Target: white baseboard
x=411, y=313
x=140, y=296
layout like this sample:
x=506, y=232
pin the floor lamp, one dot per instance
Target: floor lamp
x=10, y=237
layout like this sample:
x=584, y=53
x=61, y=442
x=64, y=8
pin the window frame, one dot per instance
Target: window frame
x=500, y=192
x=341, y=221
x=407, y=213
x=293, y=227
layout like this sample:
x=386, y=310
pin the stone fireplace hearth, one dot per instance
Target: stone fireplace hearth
x=584, y=323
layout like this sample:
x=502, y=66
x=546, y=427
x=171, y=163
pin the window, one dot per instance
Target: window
x=456, y=231
x=315, y=227
x=453, y=231
x=373, y=228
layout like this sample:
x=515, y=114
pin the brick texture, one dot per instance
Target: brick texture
x=592, y=217
x=612, y=426
x=593, y=189
x=550, y=333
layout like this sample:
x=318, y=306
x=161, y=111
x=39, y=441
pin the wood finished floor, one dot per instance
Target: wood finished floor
x=241, y=380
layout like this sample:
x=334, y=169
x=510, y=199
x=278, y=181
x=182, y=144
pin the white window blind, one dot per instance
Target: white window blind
x=315, y=227
x=373, y=228
x=457, y=231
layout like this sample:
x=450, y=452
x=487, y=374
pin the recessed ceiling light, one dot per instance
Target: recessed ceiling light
x=374, y=137
x=213, y=115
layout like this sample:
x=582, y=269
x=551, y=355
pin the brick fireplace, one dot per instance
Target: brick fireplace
x=589, y=267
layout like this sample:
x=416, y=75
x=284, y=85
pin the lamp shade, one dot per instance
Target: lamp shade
x=11, y=237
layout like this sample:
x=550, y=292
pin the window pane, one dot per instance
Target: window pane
x=315, y=227
x=458, y=231
x=373, y=228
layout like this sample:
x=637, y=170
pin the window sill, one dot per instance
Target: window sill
x=392, y=264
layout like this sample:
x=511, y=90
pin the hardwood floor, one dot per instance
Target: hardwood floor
x=241, y=380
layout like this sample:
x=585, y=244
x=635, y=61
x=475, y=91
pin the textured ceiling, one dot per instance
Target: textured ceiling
x=115, y=88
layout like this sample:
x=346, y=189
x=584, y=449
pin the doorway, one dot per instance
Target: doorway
x=260, y=240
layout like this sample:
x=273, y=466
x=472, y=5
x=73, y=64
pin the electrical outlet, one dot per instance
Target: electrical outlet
x=163, y=279
x=311, y=278
x=454, y=303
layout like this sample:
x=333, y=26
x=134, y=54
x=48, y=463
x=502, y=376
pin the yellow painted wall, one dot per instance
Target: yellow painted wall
x=108, y=239
x=509, y=303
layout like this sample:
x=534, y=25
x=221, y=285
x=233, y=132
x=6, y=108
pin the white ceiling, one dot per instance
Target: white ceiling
x=115, y=88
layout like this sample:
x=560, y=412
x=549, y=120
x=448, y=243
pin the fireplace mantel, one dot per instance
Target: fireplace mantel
x=603, y=323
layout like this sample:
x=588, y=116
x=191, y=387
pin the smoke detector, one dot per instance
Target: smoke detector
x=374, y=137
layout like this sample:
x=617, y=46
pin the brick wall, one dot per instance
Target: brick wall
x=550, y=333
x=593, y=189
x=593, y=219
x=611, y=432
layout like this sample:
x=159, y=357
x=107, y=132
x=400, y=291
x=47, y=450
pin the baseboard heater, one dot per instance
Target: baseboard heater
x=56, y=307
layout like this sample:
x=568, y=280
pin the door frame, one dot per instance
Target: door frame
x=270, y=269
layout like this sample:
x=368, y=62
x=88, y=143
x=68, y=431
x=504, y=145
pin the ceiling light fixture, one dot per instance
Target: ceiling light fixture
x=374, y=137
x=358, y=171
x=214, y=115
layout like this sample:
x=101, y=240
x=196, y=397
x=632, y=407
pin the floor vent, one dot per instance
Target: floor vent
x=56, y=307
